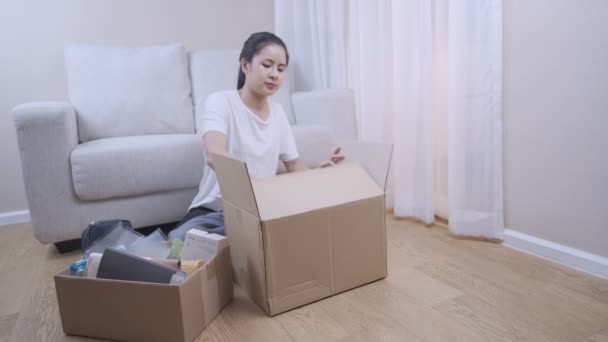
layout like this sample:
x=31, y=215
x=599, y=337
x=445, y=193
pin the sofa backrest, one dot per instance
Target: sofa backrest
x=129, y=91
x=215, y=70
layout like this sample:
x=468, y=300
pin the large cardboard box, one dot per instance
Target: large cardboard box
x=300, y=237
x=136, y=311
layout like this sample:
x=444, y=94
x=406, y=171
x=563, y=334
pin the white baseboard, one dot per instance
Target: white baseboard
x=567, y=256
x=12, y=217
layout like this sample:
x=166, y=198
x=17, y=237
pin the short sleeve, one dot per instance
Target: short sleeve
x=214, y=116
x=288, y=150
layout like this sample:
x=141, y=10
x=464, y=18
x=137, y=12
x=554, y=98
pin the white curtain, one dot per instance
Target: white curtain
x=427, y=77
x=314, y=33
x=475, y=196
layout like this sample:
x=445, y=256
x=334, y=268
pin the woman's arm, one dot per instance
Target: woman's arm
x=295, y=165
x=215, y=143
x=299, y=165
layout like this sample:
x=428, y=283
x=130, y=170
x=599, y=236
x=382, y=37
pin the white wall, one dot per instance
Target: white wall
x=556, y=121
x=34, y=32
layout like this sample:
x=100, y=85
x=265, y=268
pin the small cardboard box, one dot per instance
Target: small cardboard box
x=136, y=311
x=300, y=237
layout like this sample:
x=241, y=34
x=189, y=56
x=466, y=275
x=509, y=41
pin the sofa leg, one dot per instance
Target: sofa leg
x=67, y=246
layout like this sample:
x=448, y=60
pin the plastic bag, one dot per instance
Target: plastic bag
x=111, y=233
x=154, y=245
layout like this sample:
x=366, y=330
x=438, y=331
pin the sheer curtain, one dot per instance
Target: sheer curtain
x=314, y=33
x=475, y=193
x=427, y=77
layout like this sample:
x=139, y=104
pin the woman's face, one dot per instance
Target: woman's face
x=265, y=73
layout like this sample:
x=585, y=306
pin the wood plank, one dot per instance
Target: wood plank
x=491, y=322
x=599, y=337
x=7, y=322
x=426, y=323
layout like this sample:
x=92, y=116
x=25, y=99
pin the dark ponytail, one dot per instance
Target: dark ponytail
x=252, y=46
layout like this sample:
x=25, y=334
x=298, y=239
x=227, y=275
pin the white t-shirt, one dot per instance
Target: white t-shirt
x=260, y=144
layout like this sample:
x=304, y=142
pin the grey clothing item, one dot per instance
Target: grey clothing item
x=199, y=218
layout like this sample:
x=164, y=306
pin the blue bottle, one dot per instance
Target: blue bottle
x=77, y=268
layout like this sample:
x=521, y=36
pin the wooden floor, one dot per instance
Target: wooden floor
x=439, y=288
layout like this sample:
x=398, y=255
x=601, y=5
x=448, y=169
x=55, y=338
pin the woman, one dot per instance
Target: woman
x=246, y=124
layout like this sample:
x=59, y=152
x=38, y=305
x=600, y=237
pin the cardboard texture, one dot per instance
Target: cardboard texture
x=135, y=311
x=300, y=237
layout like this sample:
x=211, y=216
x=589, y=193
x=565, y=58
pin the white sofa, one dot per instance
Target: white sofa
x=126, y=144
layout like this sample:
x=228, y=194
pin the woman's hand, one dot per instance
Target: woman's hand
x=335, y=158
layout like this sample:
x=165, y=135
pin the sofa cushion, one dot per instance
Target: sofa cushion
x=136, y=165
x=215, y=70
x=129, y=91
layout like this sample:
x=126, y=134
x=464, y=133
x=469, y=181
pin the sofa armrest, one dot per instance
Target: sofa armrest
x=334, y=108
x=46, y=135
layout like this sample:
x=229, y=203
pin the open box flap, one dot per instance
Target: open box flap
x=235, y=183
x=375, y=158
